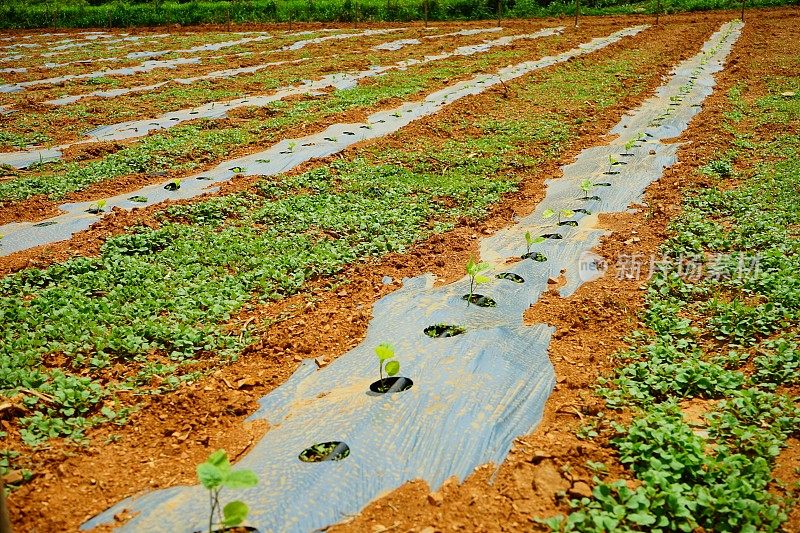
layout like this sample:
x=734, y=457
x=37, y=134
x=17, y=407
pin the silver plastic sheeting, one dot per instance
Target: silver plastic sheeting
x=146, y=66
x=214, y=110
x=286, y=155
x=211, y=47
x=474, y=31
x=396, y=45
x=217, y=74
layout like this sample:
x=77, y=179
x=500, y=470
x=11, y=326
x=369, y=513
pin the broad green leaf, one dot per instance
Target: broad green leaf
x=548, y=213
x=234, y=513
x=240, y=479
x=392, y=368
x=481, y=279
x=384, y=351
x=220, y=459
x=642, y=519
x=209, y=475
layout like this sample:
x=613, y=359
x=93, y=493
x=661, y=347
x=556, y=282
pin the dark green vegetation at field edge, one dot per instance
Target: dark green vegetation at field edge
x=99, y=13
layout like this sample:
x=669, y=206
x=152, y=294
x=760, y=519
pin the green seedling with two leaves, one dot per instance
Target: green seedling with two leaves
x=474, y=270
x=586, y=187
x=561, y=213
x=173, y=185
x=386, y=361
x=530, y=240
x=98, y=207
x=215, y=474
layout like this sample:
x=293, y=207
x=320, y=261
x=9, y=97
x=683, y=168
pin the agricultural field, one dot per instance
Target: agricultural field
x=478, y=276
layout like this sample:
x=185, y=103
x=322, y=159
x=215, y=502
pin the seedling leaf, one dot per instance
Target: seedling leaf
x=384, y=351
x=209, y=475
x=240, y=479
x=392, y=368
x=234, y=513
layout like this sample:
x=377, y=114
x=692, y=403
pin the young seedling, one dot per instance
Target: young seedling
x=236, y=170
x=586, y=187
x=530, y=241
x=612, y=160
x=475, y=277
x=216, y=474
x=385, y=353
x=629, y=145
x=549, y=213
x=291, y=145
x=173, y=185
x=98, y=207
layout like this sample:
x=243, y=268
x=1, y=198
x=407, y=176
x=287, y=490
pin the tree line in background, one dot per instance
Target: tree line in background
x=127, y=13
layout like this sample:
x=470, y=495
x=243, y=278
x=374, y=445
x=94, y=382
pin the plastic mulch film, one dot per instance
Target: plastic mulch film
x=284, y=155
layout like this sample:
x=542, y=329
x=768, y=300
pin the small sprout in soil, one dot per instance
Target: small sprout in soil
x=236, y=170
x=586, y=187
x=138, y=199
x=475, y=277
x=397, y=114
x=291, y=145
x=331, y=139
x=385, y=353
x=173, y=185
x=441, y=331
x=96, y=208
x=630, y=144
x=263, y=161
x=215, y=474
x=325, y=451
x=612, y=160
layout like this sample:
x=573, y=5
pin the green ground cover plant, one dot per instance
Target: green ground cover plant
x=100, y=13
